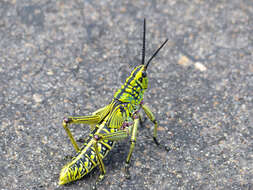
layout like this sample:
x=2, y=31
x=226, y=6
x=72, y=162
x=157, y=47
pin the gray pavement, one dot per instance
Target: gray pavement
x=60, y=58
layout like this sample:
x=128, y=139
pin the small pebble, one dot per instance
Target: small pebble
x=37, y=98
x=200, y=66
x=184, y=61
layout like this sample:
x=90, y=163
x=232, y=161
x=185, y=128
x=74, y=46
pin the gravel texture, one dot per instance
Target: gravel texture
x=61, y=58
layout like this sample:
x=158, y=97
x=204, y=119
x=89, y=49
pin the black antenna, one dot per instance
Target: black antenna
x=143, y=47
x=146, y=66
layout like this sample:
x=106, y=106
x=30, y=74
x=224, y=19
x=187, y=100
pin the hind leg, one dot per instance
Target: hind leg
x=98, y=137
x=91, y=119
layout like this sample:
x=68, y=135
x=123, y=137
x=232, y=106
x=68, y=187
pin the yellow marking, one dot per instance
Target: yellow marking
x=99, y=147
x=107, y=145
x=81, y=168
x=75, y=172
x=94, y=163
x=86, y=169
x=89, y=145
x=106, y=130
x=69, y=171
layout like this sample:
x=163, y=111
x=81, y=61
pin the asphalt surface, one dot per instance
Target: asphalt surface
x=61, y=58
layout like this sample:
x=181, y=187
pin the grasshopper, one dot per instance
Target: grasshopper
x=116, y=121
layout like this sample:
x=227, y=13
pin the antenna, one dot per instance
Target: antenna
x=146, y=66
x=143, y=42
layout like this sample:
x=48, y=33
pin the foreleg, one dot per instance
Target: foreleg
x=151, y=116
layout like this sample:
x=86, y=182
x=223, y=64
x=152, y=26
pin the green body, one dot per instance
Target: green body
x=108, y=120
x=118, y=120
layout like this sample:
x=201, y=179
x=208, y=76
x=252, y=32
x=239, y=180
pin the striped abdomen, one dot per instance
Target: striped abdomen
x=86, y=158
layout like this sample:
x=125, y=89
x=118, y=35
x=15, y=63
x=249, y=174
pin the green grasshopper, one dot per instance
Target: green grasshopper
x=116, y=121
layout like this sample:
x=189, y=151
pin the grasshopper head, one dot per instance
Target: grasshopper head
x=137, y=82
x=140, y=77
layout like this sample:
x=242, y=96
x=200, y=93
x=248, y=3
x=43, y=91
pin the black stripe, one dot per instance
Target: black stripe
x=134, y=91
x=139, y=84
x=129, y=81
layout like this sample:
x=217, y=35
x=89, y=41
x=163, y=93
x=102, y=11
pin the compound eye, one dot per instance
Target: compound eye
x=144, y=74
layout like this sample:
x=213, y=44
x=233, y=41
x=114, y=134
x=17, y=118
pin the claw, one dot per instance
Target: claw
x=161, y=145
x=99, y=179
x=156, y=142
x=127, y=172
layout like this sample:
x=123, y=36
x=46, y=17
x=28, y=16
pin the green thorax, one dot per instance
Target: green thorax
x=133, y=89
